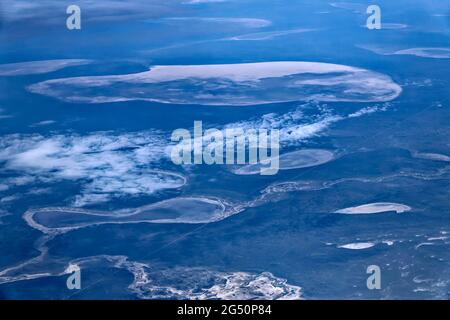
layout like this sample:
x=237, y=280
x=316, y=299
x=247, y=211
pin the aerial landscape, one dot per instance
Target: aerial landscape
x=116, y=164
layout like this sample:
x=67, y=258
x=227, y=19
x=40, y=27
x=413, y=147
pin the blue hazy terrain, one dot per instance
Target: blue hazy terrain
x=86, y=178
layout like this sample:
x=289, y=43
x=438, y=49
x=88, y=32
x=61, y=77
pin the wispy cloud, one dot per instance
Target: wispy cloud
x=43, y=123
x=245, y=22
x=204, y=1
x=424, y=52
x=105, y=164
x=267, y=35
x=3, y=115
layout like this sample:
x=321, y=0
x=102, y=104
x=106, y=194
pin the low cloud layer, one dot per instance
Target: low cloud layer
x=105, y=164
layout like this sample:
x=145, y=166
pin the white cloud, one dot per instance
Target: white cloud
x=368, y=110
x=43, y=123
x=435, y=53
x=106, y=164
x=49, y=11
x=294, y=127
x=204, y=1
